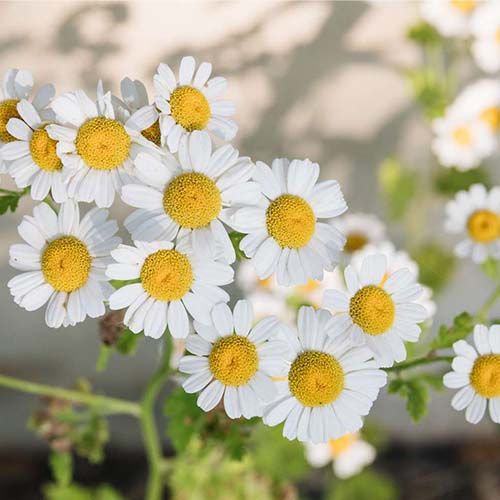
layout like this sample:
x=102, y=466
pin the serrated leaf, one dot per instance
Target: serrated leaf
x=447, y=336
x=9, y=200
x=434, y=380
x=450, y=181
x=417, y=396
x=61, y=465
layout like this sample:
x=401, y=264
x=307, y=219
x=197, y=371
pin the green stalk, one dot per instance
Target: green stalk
x=425, y=360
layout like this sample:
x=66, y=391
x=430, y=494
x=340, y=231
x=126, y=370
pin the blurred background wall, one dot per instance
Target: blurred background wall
x=309, y=79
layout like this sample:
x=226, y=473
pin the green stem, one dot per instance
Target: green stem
x=482, y=315
x=152, y=442
x=425, y=360
x=106, y=405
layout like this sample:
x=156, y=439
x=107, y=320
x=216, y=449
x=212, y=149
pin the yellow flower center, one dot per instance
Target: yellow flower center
x=265, y=283
x=153, y=133
x=290, y=221
x=43, y=151
x=465, y=6
x=167, y=275
x=372, y=309
x=66, y=264
x=462, y=136
x=484, y=226
x=491, y=117
x=342, y=444
x=233, y=360
x=189, y=108
x=103, y=143
x=192, y=200
x=8, y=110
x=355, y=241
x=315, y=378
x=497, y=35
x=485, y=375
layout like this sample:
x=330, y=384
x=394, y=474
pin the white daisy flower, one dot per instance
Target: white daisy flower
x=233, y=361
x=397, y=259
x=170, y=280
x=360, y=230
x=97, y=143
x=267, y=304
x=449, y=17
x=189, y=197
x=135, y=97
x=461, y=141
x=379, y=309
x=476, y=214
x=291, y=232
x=63, y=262
x=16, y=85
x=476, y=372
x=485, y=27
x=331, y=383
x=191, y=102
x=349, y=455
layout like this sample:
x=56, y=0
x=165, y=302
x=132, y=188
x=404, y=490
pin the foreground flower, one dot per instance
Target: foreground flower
x=32, y=155
x=291, y=232
x=485, y=28
x=379, y=309
x=190, y=197
x=349, y=454
x=331, y=384
x=63, y=262
x=171, y=280
x=191, y=102
x=97, y=144
x=449, y=17
x=476, y=372
x=476, y=214
x=234, y=361
x=16, y=85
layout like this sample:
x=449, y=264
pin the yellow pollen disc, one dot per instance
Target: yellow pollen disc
x=265, y=283
x=167, y=275
x=189, y=108
x=153, y=133
x=372, y=309
x=497, y=36
x=462, y=136
x=342, y=444
x=290, y=221
x=491, y=117
x=66, y=264
x=8, y=110
x=103, y=143
x=485, y=375
x=465, y=6
x=309, y=287
x=315, y=378
x=355, y=241
x=43, y=151
x=484, y=226
x=192, y=200
x=233, y=360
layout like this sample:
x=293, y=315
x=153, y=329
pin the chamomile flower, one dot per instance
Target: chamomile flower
x=291, y=231
x=349, y=455
x=32, y=156
x=189, y=197
x=379, y=309
x=63, y=262
x=475, y=214
x=97, y=142
x=461, y=141
x=360, y=230
x=234, y=362
x=485, y=27
x=135, y=97
x=330, y=385
x=191, y=102
x=16, y=85
x=172, y=281
x=449, y=17
x=476, y=372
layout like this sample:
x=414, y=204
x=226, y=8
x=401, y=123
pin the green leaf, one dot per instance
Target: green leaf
x=491, y=269
x=436, y=265
x=447, y=336
x=397, y=185
x=367, y=485
x=61, y=465
x=434, y=380
x=450, y=181
x=429, y=90
x=104, y=355
x=121, y=283
x=416, y=394
x=236, y=238
x=9, y=200
x=77, y=492
x=424, y=34
x=127, y=343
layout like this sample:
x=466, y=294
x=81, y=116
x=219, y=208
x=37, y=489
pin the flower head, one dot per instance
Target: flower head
x=450, y=17
x=485, y=27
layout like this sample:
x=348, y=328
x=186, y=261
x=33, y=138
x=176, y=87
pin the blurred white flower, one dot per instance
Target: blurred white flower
x=449, y=17
x=485, y=27
x=348, y=454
